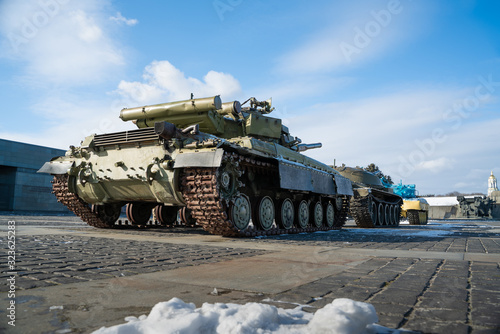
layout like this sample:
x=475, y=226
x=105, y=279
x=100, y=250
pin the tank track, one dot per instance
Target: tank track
x=75, y=203
x=417, y=217
x=211, y=211
x=360, y=211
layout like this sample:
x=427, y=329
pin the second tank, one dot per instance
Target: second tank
x=373, y=204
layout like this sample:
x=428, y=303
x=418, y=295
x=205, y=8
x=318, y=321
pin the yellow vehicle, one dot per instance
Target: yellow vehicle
x=416, y=210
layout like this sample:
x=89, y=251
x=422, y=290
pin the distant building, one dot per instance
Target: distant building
x=443, y=207
x=21, y=188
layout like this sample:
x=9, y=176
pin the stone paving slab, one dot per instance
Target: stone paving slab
x=449, y=283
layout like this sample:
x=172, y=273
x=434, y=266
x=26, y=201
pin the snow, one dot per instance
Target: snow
x=442, y=201
x=175, y=316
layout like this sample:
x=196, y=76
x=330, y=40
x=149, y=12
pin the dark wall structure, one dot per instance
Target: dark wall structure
x=21, y=188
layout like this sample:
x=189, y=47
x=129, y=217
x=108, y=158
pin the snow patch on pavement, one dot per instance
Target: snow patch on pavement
x=175, y=316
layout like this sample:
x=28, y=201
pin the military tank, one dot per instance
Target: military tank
x=373, y=204
x=233, y=169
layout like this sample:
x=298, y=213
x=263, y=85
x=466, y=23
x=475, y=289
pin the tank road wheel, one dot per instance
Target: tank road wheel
x=397, y=214
x=166, y=215
x=392, y=214
x=138, y=213
x=186, y=218
x=303, y=214
x=240, y=212
x=286, y=214
x=374, y=214
x=387, y=213
x=108, y=213
x=329, y=215
x=264, y=213
x=317, y=214
x=339, y=203
x=227, y=179
x=380, y=214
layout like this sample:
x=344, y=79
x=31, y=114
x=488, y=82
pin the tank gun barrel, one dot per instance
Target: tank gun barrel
x=305, y=147
x=171, y=108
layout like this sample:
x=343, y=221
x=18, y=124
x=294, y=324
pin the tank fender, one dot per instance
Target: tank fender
x=199, y=159
x=344, y=185
x=56, y=167
x=296, y=176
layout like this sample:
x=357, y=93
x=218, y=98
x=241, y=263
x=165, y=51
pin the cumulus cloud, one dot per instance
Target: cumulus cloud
x=66, y=42
x=162, y=82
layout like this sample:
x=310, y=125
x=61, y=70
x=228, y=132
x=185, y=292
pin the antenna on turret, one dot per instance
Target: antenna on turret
x=192, y=96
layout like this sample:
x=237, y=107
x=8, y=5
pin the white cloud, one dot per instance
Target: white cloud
x=119, y=18
x=88, y=30
x=66, y=43
x=435, y=166
x=163, y=82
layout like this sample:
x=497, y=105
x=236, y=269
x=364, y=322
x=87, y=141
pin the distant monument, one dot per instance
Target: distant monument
x=481, y=206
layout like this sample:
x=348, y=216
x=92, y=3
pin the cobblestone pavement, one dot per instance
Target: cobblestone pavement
x=50, y=260
x=439, y=278
x=425, y=295
x=431, y=296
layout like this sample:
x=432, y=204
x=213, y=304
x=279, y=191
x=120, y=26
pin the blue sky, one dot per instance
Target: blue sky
x=412, y=86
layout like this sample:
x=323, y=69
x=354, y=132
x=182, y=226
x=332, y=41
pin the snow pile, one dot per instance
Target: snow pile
x=175, y=316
